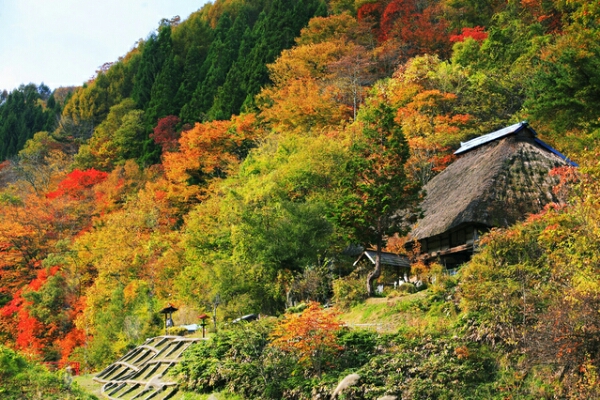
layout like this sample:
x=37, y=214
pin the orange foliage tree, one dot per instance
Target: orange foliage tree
x=311, y=336
x=430, y=105
x=417, y=27
x=35, y=295
x=208, y=151
x=305, y=96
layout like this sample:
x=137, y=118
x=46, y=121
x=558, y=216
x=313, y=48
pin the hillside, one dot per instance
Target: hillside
x=229, y=163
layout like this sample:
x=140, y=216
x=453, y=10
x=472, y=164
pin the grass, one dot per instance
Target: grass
x=385, y=314
x=412, y=313
x=86, y=383
x=215, y=396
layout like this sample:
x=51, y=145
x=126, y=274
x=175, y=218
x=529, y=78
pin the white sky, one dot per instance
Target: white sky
x=63, y=42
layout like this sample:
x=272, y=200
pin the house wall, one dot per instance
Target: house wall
x=449, y=240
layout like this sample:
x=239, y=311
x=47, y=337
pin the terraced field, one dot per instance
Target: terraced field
x=141, y=374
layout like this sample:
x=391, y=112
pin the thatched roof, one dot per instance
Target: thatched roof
x=499, y=179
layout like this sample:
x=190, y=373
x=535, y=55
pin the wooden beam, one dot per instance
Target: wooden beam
x=457, y=249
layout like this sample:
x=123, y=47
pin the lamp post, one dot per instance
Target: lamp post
x=215, y=305
x=168, y=311
x=203, y=323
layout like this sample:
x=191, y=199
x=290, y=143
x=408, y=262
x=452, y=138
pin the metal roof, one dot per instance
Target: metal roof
x=558, y=153
x=490, y=137
x=510, y=130
x=386, y=258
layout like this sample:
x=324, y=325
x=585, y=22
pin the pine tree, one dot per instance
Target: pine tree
x=164, y=92
x=221, y=56
x=275, y=31
x=21, y=116
x=155, y=52
x=191, y=75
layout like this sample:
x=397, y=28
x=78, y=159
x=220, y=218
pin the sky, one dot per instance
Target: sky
x=63, y=42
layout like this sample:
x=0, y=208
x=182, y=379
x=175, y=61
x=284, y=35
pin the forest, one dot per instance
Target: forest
x=227, y=161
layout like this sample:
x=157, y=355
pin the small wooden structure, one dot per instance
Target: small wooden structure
x=399, y=263
x=203, y=323
x=499, y=179
x=168, y=311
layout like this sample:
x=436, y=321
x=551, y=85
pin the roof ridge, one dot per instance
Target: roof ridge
x=489, y=137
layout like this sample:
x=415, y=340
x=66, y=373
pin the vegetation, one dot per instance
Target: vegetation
x=227, y=162
x=23, y=380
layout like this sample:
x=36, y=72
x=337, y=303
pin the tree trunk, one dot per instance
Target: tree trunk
x=375, y=273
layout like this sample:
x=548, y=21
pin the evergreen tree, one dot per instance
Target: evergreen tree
x=21, y=116
x=232, y=94
x=377, y=185
x=275, y=31
x=164, y=91
x=191, y=74
x=214, y=65
x=155, y=51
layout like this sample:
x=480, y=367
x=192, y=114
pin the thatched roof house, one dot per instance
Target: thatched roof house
x=498, y=179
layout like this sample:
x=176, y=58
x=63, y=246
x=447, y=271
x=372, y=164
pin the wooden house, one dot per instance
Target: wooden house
x=396, y=265
x=497, y=180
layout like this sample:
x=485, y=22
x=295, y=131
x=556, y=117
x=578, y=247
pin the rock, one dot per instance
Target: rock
x=348, y=381
x=388, y=397
x=155, y=383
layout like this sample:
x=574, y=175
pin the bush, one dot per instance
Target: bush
x=296, y=309
x=359, y=346
x=21, y=379
x=349, y=291
x=178, y=331
x=407, y=287
x=427, y=368
x=237, y=360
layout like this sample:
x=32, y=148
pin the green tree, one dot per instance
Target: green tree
x=155, y=52
x=21, y=116
x=117, y=139
x=566, y=86
x=264, y=226
x=377, y=187
x=212, y=73
x=275, y=30
x=191, y=75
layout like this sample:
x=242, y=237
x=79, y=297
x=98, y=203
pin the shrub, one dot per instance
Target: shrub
x=359, y=346
x=237, y=360
x=296, y=309
x=21, y=379
x=407, y=287
x=178, y=331
x=349, y=291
